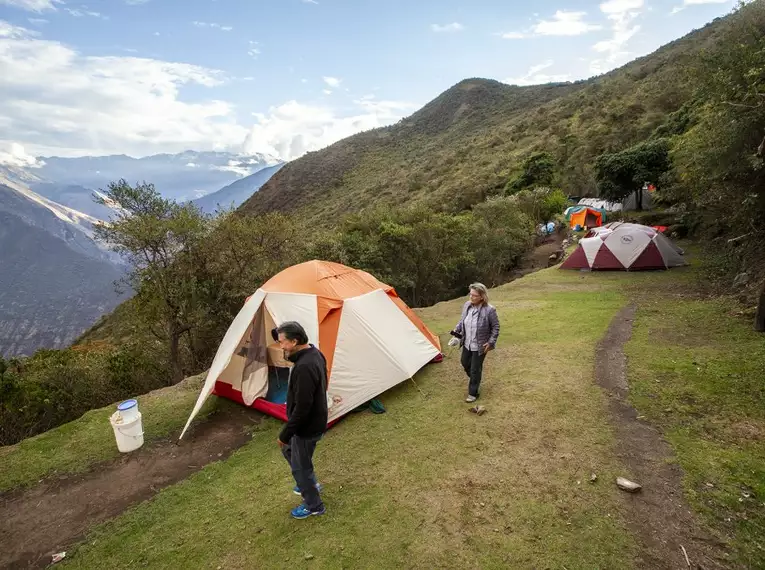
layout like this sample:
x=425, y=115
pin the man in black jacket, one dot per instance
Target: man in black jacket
x=306, y=414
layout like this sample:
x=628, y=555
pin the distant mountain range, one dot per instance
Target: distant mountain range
x=184, y=176
x=236, y=192
x=55, y=280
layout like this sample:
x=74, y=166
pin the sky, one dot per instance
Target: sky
x=285, y=77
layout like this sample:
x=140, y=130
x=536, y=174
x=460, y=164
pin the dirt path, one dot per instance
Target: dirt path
x=658, y=514
x=48, y=518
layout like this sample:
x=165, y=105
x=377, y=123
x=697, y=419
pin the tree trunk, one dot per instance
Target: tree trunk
x=639, y=201
x=175, y=358
x=759, y=316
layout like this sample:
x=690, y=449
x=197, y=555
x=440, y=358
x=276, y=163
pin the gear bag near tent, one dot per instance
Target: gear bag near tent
x=624, y=246
x=371, y=339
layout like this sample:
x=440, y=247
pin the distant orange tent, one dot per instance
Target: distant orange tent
x=585, y=216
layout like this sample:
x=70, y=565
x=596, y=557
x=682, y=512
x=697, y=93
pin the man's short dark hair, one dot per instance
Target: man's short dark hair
x=293, y=331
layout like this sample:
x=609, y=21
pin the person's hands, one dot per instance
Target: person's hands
x=280, y=442
x=487, y=347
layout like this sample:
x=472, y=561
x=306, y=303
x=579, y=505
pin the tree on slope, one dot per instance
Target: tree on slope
x=720, y=162
x=161, y=241
x=621, y=173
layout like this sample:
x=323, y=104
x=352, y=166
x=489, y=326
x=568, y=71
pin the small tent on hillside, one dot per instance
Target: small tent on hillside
x=585, y=216
x=370, y=338
x=600, y=204
x=623, y=246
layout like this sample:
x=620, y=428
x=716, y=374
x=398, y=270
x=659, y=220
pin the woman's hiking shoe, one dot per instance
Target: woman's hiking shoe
x=303, y=512
x=296, y=489
x=470, y=399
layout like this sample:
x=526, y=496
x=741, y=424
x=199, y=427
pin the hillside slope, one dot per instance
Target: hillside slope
x=237, y=192
x=55, y=280
x=465, y=145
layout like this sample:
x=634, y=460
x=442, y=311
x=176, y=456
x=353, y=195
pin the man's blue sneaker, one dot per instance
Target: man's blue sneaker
x=296, y=489
x=303, y=512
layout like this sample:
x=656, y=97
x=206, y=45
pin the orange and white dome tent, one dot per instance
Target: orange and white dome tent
x=371, y=339
x=624, y=246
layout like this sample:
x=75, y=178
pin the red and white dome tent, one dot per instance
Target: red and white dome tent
x=626, y=247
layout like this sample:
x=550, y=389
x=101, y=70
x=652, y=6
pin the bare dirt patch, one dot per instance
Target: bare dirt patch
x=48, y=518
x=659, y=515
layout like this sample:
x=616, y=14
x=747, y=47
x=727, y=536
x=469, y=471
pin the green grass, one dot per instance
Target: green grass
x=430, y=485
x=78, y=445
x=427, y=484
x=698, y=373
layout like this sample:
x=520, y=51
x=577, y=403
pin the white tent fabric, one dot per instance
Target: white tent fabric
x=377, y=348
x=627, y=244
x=601, y=204
x=226, y=350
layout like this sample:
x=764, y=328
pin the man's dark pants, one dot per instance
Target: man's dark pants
x=472, y=362
x=299, y=454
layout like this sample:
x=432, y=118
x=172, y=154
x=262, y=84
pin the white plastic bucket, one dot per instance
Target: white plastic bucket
x=128, y=410
x=129, y=434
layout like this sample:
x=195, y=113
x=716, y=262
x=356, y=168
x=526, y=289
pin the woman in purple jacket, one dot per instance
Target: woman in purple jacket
x=476, y=333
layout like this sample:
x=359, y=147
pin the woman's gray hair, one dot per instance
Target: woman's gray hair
x=481, y=289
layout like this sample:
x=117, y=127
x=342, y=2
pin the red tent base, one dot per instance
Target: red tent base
x=278, y=411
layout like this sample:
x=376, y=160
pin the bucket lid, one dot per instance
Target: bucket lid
x=127, y=404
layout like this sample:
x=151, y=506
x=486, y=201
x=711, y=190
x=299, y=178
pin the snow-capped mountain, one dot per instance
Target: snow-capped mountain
x=183, y=176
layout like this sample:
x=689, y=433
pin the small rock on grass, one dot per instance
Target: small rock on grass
x=627, y=485
x=309, y=556
x=593, y=478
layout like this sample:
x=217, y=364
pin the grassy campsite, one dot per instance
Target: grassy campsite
x=588, y=253
x=430, y=484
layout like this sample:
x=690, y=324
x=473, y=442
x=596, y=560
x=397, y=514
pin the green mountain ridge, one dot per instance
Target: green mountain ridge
x=465, y=144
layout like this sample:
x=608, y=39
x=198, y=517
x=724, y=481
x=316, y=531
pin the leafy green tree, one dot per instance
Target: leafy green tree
x=537, y=169
x=540, y=205
x=621, y=173
x=720, y=162
x=162, y=242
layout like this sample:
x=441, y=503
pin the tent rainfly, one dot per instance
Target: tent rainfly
x=371, y=339
x=624, y=246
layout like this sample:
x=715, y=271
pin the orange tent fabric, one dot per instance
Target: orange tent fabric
x=587, y=217
x=332, y=283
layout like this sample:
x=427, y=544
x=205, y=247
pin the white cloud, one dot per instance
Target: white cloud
x=453, y=27
x=14, y=155
x=534, y=77
x=37, y=21
x=303, y=80
x=563, y=23
x=79, y=13
x=292, y=129
x=687, y=3
x=135, y=2
x=327, y=91
x=254, y=50
x=621, y=14
x=58, y=100
x=33, y=5
x=309, y=2
x=332, y=81
x=212, y=25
